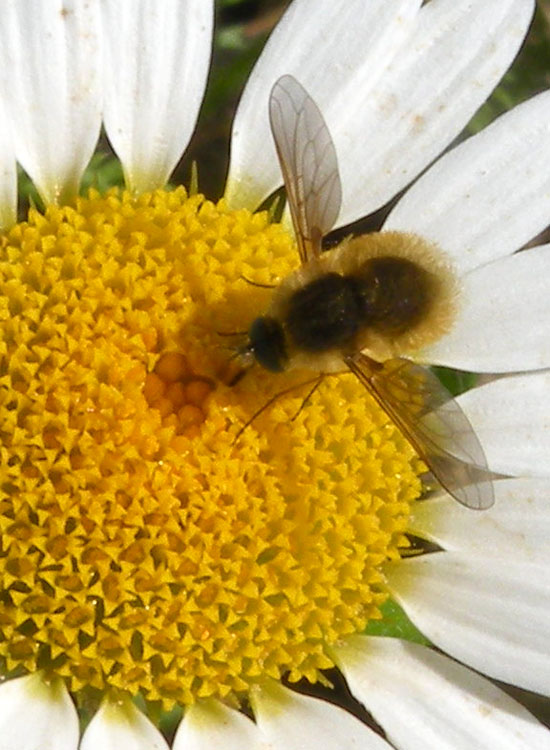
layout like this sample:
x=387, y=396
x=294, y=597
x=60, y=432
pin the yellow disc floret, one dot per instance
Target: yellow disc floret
x=143, y=547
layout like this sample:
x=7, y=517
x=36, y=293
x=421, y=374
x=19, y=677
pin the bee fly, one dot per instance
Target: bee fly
x=364, y=306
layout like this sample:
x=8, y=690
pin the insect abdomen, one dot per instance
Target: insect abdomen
x=394, y=293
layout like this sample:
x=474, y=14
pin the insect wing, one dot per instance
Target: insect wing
x=434, y=423
x=308, y=163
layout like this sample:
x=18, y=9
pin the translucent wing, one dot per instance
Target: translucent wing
x=434, y=424
x=308, y=163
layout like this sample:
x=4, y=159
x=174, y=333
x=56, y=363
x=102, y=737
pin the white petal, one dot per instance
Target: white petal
x=50, y=61
x=36, y=714
x=488, y=612
x=289, y=721
x=211, y=725
x=389, y=123
x=452, y=62
x=502, y=302
x=8, y=175
x=490, y=195
x=511, y=417
x=519, y=521
x=120, y=725
x=424, y=700
x=360, y=39
x=156, y=60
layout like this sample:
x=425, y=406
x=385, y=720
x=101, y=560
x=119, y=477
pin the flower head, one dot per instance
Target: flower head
x=144, y=549
x=149, y=545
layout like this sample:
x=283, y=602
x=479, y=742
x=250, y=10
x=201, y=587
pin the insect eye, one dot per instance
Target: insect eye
x=267, y=343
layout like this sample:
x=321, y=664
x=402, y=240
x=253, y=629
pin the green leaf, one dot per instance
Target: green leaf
x=104, y=171
x=395, y=624
x=455, y=381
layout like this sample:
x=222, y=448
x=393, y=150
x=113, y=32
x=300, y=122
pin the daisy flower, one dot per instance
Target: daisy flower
x=148, y=561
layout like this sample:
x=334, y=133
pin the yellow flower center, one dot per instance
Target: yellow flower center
x=142, y=546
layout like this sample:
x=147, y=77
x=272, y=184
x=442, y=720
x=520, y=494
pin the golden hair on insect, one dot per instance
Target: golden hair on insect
x=366, y=305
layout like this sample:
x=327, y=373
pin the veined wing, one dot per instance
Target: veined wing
x=433, y=422
x=308, y=163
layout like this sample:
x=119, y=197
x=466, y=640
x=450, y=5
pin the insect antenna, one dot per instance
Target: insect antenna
x=257, y=283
